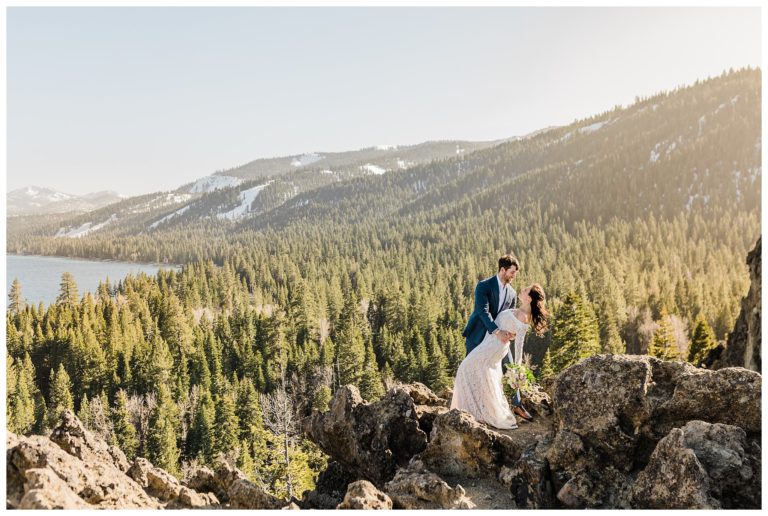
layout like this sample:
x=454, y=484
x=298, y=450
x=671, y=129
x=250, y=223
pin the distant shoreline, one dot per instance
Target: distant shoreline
x=105, y=260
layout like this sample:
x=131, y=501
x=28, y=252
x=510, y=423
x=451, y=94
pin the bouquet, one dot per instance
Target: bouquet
x=520, y=376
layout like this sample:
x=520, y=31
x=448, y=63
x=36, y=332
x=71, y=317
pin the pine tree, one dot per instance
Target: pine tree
x=26, y=392
x=15, y=301
x=61, y=395
x=245, y=461
x=322, y=398
x=227, y=424
x=201, y=435
x=350, y=355
x=125, y=433
x=68, y=290
x=11, y=383
x=547, y=370
x=663, y=345
x=436, y=376
x=248, y=410
x=702, y=341
x=162, y=449
x=84, y=414
x=371, y=388
x=575, y=334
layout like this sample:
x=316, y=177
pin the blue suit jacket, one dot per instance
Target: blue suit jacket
x=486, y=310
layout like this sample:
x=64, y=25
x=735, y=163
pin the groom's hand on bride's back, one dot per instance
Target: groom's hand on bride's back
x=504, y=335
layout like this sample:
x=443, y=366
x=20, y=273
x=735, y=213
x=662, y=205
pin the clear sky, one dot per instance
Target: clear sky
x=144, y=99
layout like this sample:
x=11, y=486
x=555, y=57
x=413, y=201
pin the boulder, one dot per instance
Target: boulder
x=232, y=487
x=364, y=495
x=701, y=466
x=415, y=487
x=528, y=479
x=460, y=446
x=423, y=395
x=73, y=438
x=369, y=439
x=330, y=488
x=730, y=396
x=165, y=487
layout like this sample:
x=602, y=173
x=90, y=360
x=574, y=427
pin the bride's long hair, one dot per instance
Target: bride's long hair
x=539, y=312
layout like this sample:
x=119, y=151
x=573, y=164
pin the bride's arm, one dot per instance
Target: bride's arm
x=519, y=341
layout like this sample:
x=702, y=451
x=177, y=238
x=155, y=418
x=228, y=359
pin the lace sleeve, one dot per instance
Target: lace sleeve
x=519, y=341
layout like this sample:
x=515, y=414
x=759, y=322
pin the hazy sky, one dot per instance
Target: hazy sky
x=145, y=99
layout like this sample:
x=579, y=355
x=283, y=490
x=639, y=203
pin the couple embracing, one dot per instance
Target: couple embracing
x=493, y=324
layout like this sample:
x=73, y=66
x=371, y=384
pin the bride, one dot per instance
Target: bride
x=478, y=389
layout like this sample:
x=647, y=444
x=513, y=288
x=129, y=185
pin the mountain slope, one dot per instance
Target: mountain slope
x=33, y=200
x=693, y=152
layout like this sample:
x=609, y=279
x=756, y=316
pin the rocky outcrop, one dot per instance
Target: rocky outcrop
x=701, y=466
x=370, y=440
x=364, y=495
x=611, y=411
x=743, y=346
x=613, y=427
x=95, y=484
x=74, y=469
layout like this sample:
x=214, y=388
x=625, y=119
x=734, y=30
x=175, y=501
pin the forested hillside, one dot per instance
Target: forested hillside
x=636, y=221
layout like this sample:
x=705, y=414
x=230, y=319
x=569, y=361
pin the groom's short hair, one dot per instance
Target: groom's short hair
x=507, y=261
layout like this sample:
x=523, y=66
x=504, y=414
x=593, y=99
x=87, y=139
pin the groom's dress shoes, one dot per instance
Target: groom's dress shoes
x=520, y=411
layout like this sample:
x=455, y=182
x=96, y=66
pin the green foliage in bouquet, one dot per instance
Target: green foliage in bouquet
x=519, y=376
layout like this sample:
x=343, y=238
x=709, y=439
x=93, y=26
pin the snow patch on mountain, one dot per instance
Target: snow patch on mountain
x=306, y=159
x=403, y=164
x=169, y=217
x=386, y=147
x=84, y=229
x=246, y=197
x=591, y=128
x=655, y=154
x=373, y=169
x=211, y=183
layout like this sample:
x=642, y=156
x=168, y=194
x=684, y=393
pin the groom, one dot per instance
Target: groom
x=492, y=296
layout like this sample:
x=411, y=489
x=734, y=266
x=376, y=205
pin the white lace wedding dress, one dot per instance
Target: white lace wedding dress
x=478, y=387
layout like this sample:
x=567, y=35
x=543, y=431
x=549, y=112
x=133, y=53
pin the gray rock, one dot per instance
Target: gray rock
x=415, y=487
x=72, y=437
x=612, y=410
x=369, y=440
x=165, y=487
x=459, y=445
x=364, y=495
x=702, y=466
x=45, y=490
x=98, y=483
x=232, y=488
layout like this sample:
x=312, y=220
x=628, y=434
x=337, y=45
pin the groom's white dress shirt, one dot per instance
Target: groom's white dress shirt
x=502, y=297
x=502, y=294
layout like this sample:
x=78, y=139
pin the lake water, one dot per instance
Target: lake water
x=40, y=275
